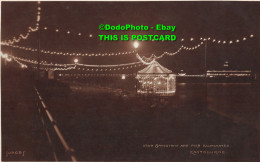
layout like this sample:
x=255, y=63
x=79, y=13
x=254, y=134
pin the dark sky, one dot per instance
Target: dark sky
x=221, y=20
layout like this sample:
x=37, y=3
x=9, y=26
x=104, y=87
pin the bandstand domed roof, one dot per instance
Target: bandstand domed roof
x=154, y=68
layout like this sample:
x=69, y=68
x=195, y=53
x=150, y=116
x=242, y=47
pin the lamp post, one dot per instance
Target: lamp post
x=136, y=45
x=76, y=62
x=205, y=66
x=38, y=42
x=205, y=61
x=38, y=56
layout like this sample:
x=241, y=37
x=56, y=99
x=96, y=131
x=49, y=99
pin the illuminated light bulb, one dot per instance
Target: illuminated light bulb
x=68, y=32
x=39, y=8
x=213, y=40
x=237, y=41
x=224, y=42
x=191, y=39
x=76, y=61
x=45, y=28
x=219, y=41
x=244, y=38
x=230, y=42
x=251, y=36
x=38, y=18
x=79, y=34
x=4, y=55
x=182, y=39
x=136, y=44
x=209, y=38
x=57, y=30
x=90, y=35
x=201, y=38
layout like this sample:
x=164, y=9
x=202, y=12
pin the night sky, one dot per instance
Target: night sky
x=220, y=20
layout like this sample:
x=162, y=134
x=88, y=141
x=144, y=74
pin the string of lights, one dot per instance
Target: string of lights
x=30, y=29
x=152, y=57
x=6, y=57
x=213, y=40
x=117, y=65
x=68, y=32
x=25, y=60
x=95, y=69
x=94, y=74
x=90, y=68
x=57, y=68
x=87, y=67
x=9, y=59
x=125, y=53
x=67, y=53
x=141, y=59
x=21, y=64
x=109, y=68
x=228, y=41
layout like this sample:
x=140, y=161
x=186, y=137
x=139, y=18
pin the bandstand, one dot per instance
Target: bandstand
x=156, y=80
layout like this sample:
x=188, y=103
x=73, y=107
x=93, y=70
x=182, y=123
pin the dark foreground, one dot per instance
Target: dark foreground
x=106, y=124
